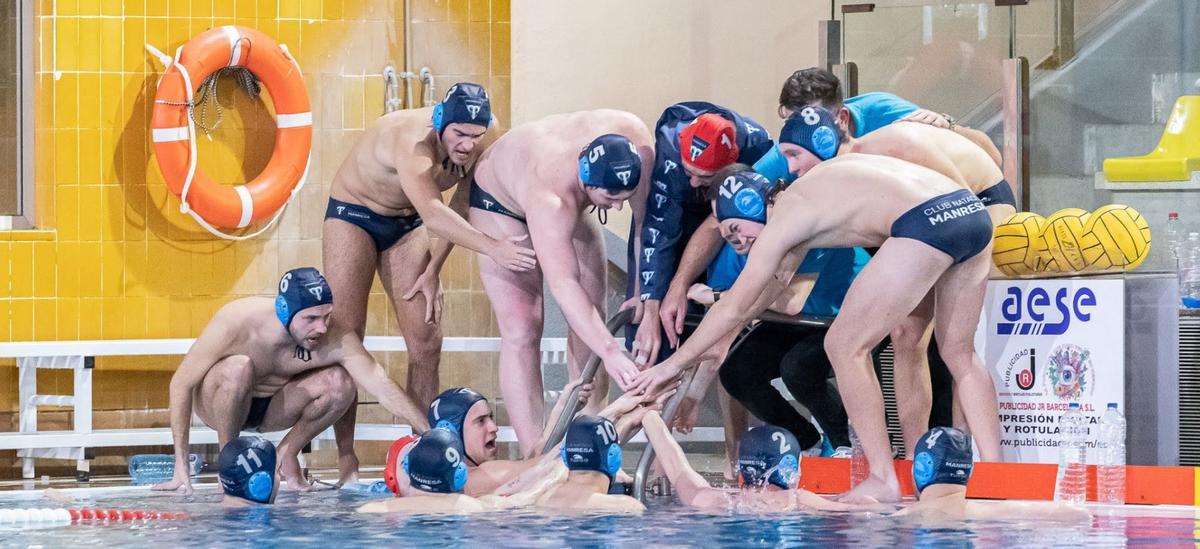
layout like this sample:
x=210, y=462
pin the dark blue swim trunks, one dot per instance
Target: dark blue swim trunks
x=484, y=200
x=1000, y=193
x=385, y=230
x=956, y=223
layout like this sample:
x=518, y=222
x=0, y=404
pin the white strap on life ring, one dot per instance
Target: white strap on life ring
x=189, y=133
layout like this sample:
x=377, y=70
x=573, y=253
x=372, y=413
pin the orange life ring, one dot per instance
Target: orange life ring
x=174, y=132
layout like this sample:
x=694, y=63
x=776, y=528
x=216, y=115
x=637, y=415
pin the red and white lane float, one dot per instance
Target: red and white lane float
x=46, y=517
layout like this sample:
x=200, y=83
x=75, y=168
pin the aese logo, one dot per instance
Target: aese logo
x=1026, y=314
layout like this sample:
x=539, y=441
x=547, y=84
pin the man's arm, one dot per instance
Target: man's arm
x=424, y=505
x=612, y=504
x=415, y=170
x=664, y=216
x=429, y=283
x=208, y=349
x=770, y=268
x=693, y=490
x=371, y=377
x=559, y=406
x=688, y=411
x=459, y=204
x=551, y=224
x=814, y=501
x=701, y=248
x=791, y=301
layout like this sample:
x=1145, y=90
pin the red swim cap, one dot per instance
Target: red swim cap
x=709, y=143
x=393, y=462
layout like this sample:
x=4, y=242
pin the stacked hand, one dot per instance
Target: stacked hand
x=621, y=369
x=652, y=380
x=648, y=339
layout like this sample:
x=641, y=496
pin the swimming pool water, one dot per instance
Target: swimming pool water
x=328, y=519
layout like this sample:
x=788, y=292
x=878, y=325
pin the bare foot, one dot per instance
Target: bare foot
x=291, y=477
x=623, y=477
x=347, y=469
x=873, y=490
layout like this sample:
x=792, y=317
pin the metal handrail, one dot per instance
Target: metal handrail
x=617, y=322
x=668, y=413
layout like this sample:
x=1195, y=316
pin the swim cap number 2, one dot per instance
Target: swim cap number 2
x=784, y=447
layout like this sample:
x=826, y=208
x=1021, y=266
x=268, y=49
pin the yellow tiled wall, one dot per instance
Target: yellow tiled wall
x=117, y=260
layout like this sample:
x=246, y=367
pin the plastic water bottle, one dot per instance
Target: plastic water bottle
x=1111, y=469
x=1072, y=457
x=377, y=487
x=1168, y=238
x=156, y=468
x=860, y=469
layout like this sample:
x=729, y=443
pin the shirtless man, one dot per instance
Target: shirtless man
x=868, y=112
x=256, y=349
x=387, y=189
x=768, y=464
x=956, y=157
x=534, y=184
x=432, y=479
x=941, y=468
x=467, y=413
x=591, y=452
x=931, y=233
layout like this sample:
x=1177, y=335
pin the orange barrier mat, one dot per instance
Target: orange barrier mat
x=1144, y=484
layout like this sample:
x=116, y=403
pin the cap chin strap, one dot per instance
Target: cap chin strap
x=601, y=214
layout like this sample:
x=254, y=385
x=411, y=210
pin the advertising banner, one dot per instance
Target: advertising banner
x=1048, y=343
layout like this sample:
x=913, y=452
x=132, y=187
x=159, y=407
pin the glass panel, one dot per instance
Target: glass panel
x=10, y=106
x=942, y=56
x=1113, y=100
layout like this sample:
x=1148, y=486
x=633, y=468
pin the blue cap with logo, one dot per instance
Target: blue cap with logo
x=769, y=454
x=246, y=468
x=815, y=129
x=591, y=445
x=449, y=410
x=435, y=463
x=610, y=162
x=743, y=195
x=300, y=289
x=465, y=103
x=943, y=456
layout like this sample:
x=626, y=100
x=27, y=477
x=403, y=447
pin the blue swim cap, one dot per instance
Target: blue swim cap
x=591, y=445
x=943, y=456
x=435, y=463
x=769, y=454
x=813, y=128
x=449, y=410
x=300, y=289
x=246, y=468
x=465, y=103
x=610, y=162
x=743, y=195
